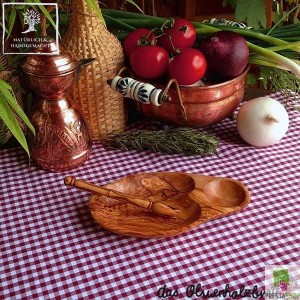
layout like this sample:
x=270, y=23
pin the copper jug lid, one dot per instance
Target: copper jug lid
x=46, y=61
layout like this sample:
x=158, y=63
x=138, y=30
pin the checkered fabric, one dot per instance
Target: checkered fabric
x=51, y=248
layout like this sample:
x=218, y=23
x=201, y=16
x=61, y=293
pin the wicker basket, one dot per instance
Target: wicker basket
x=87, y=37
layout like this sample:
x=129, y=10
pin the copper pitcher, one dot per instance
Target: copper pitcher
x=62, y=141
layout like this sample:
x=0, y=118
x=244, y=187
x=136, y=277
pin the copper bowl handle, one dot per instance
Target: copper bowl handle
x=163, y=95
x=171, y=82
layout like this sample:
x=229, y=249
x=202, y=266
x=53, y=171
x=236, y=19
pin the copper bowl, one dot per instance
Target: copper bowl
x=197, y=106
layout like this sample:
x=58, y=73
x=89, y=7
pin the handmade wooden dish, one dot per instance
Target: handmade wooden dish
x=197, y=198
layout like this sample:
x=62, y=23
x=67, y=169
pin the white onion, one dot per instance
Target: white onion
x=262, y=121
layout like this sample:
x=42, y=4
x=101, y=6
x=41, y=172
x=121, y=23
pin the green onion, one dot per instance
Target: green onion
x=244, y=32
x=285, y=62
x=115, y=23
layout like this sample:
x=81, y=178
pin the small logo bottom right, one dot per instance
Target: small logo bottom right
x=282, y=282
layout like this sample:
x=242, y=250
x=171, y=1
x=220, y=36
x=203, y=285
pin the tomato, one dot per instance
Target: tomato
x=188, y=67
x=134, y=39
x=149, y=61
x=182, y=33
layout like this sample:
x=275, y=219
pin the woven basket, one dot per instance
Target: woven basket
x=87, y=37
x=14, y=82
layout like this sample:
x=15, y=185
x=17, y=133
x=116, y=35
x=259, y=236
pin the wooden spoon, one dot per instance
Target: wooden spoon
x=191, y=211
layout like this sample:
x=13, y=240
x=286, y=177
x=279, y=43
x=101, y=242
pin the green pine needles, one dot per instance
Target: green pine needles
x=173, y=140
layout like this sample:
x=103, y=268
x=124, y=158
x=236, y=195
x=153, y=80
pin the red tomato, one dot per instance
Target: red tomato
x=188, y=67
x=149, y=61
x=183, y=35
x=134, y=39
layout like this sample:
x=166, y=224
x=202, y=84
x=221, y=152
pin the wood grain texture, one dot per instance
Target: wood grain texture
x=215, y=197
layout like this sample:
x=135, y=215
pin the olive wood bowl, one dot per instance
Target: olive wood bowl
x=215, y=197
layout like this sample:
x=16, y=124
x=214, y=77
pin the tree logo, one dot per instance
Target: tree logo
x=31, y=18
x=16, y=41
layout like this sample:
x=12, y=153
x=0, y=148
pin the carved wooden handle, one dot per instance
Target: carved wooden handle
x=137, y=90
x=153, y=206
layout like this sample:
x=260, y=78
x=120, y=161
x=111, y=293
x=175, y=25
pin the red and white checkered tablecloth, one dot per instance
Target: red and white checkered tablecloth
x=51, y=248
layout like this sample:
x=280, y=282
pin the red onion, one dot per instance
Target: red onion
x=226, y=53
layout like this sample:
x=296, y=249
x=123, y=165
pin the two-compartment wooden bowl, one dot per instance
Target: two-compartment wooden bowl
x=215, y=196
